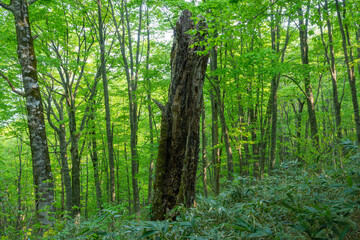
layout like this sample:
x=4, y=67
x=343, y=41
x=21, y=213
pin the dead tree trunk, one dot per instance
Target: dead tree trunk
x=179, y=138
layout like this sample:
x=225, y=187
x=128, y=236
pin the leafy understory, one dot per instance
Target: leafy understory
x=292, y=204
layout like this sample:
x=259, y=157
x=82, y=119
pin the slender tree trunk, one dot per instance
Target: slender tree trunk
x=61, y=133
x=118, y=185
x=95, y=162
x=127, y=178
x=298, y=124
x=273, y=97
x=178, y=155
x=225, y=133
x=331, y=61
x=151, y=128
x=252, y=111
x=65, y=167
x=215, y=156
x=106, y=166
x=75, y=158
x=132, y=80
x=109, y=133
x=87, y=188
x=304, y=46
x=215, y=123
x=42, y=174
x=203, y=149
x=358, y=43
x=275, y=43
x=350, y=68
x=18, y=180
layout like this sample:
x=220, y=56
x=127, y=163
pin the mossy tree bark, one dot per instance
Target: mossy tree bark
x=42, y=174
x=178, y=154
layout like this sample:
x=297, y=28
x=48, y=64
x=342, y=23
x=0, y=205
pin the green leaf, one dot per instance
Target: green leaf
x=349, y=181
x=344, y=232
x=148, y=233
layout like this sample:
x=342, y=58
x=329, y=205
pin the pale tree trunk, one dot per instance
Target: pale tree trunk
x=42, y=175
x=304, y=47
x=109, y=133
x=349, y=59
x=178, y=154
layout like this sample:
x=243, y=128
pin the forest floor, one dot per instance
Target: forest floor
x=293, y=203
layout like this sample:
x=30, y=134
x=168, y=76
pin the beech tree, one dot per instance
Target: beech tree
x=43, y=179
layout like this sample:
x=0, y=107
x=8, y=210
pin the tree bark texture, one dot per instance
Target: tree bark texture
x=178, y=154
x=42, y=175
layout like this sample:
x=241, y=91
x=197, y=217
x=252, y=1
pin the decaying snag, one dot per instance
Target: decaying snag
x=178, y=153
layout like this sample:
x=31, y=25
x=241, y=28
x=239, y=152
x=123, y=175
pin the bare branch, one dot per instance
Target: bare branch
x=17, y=91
